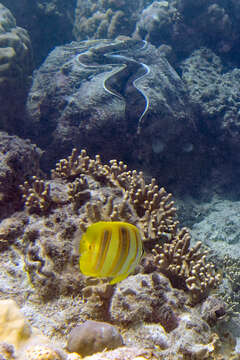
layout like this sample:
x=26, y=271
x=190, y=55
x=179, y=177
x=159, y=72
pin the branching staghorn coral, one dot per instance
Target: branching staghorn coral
x=145, y=204
x=78, y=192
x=36, y=195
x=186, y=267
x=111, y=192
x=76, y=165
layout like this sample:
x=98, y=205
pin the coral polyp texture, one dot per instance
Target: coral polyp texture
x=109, y=192
x=166, y=295
x=36, y=195
x=142, y=204
x=186, y=267
x=150, y=208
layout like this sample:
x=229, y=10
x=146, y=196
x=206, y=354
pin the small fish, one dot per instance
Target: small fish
x=110, y=249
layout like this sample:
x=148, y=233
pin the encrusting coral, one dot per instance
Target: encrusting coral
x=111, y=192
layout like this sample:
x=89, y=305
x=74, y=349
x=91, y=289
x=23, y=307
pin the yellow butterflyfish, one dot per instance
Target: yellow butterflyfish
x=110, y=249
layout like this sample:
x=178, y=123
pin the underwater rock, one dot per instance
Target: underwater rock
x=123, y=353
x=220, y=227
x=144, y=299
x=92, y=337
x=215, y=95
x=114, y=97
x=157, y=23
x=219, y=230
x=19, y=159
x=213, y=310
x=212, y=24
x=15, y=70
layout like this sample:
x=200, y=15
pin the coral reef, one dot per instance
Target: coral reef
x=217, y=94
x=153, y=307
x=36, y=196
x=124, y=197
x=186, y=267
x=15, y=70
x=19, y=159
x=16, y=334
x=158, y=23
x=41, y=352
x=154, y=213
x=213, y=24
x=51, y=21
x=150, y=97
x=105, y=18
x=146, y=299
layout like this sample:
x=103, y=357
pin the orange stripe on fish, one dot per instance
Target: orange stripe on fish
x=110, y=249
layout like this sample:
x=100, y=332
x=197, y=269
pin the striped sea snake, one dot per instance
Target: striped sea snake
x=120, y=63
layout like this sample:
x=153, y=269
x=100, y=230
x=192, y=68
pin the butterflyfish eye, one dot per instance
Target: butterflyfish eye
x=113, y=250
